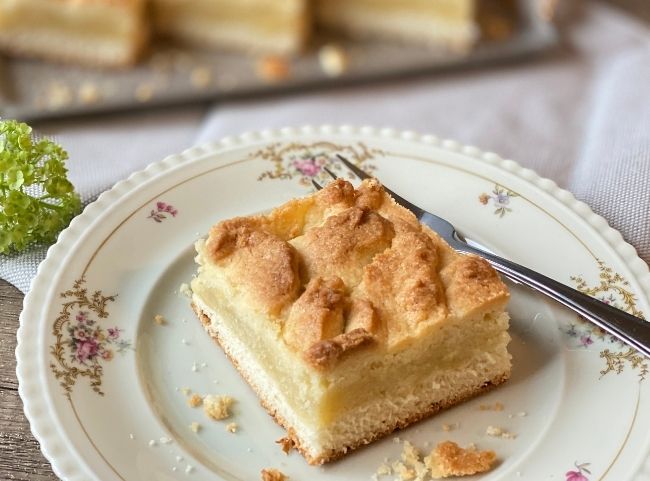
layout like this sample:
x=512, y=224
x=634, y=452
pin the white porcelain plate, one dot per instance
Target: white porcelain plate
x=102, y=382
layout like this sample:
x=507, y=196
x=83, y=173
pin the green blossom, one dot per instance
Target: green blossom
x=37, y=200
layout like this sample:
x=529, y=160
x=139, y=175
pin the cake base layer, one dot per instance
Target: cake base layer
x=272, y=398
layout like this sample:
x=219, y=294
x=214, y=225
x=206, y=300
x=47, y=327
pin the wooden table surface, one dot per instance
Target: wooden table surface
x=20, y=455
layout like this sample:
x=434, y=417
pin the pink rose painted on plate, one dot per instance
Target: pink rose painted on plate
x=578, y=475
x=89, y=341
x=162, y=211
x=309, y=166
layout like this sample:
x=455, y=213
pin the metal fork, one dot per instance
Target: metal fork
x=630, y=329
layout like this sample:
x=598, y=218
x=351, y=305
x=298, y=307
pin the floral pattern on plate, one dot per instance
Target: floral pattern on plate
x=161, y=212
x=612, y=289
x=579, y=473
x=500, y=198
x=306, y=162
x=82, y=344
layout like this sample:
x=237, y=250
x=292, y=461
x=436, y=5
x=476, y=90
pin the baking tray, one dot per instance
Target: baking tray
x=34, y=90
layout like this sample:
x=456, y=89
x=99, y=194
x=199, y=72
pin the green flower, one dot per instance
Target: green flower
x=37, y=215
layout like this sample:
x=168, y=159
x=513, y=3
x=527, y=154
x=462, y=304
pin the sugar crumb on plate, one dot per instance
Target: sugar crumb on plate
x=497, y=432
x=185, y=289
x=217, y=407
x=448, y=459
x=286, y=443
x=272, y=474
x=232, y=428
x=195, y=400
x=195, y=427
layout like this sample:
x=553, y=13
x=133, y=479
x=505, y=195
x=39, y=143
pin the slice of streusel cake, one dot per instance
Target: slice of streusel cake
x=349, y=318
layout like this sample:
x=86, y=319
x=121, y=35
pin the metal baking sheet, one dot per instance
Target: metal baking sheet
x=33, y=90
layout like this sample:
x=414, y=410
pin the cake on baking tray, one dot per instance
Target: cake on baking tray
x=349, y=318
x=275, y=26
x=95, y=32
x=452, y=23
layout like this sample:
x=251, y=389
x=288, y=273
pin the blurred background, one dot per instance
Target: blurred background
x=559, y=86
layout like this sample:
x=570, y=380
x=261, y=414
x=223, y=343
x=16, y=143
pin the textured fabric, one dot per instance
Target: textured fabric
x=580, y=116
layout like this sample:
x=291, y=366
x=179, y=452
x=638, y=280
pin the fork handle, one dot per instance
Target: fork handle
x=628, y=328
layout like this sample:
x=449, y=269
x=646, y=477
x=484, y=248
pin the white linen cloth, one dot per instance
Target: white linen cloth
x=580, y=116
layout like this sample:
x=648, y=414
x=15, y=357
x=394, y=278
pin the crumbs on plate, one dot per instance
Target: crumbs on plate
x=286, y=443
x=272, y=474
x=217, y=407
x=445, y=460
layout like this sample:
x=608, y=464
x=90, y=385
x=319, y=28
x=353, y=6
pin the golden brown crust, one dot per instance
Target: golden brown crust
x=403, y=284
x=471, y=283
x=344, y=244
x=333, y=455
x=272, y=474
x=337, y=193
x=326, y=353
x=448, y=459
x=265, y=266
x=396, y=278
x=362, y=315
x=317, y=314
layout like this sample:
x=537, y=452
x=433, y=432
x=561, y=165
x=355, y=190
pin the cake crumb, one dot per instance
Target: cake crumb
x=404, y=472
x=195, y=400
x=179, y=459
x=286, y=443
x=413, y=460
x=159, y=319
x=131, y=436
x=448, y=459
x=174, y=468
x=152, y=443
x=165, y=440
x=497, y=432
x=384, y=469
x=273, y=68
x=186, y=391
x=195, y=367
x=189, y=468
x=185, y=289
x=195, y=427
x=232, y=428
x=217, y=407
x=272, y=474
